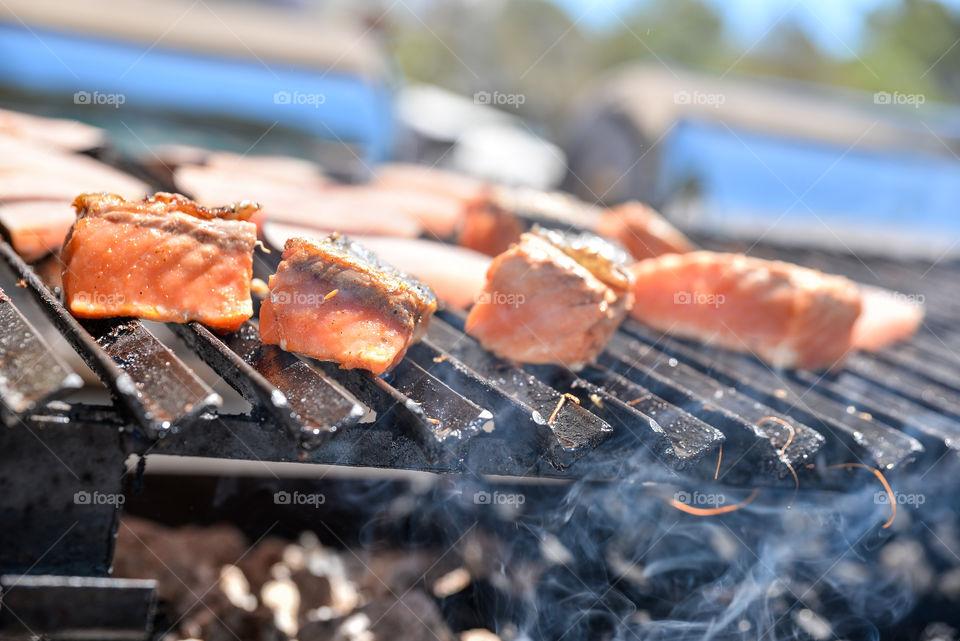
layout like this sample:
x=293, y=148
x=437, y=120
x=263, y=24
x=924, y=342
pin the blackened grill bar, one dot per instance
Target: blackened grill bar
x=30, y=372
x=153, y=387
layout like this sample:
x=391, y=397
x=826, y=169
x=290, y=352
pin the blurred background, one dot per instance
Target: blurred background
x=811, y=120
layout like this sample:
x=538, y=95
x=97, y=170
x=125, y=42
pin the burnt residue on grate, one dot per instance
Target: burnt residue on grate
x=171, y=393
x=690, y=438
x=757, y=433
x=30, y=373
x=573, y=430
x=278, y=384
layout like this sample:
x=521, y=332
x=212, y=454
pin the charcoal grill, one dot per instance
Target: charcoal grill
x=649, y=402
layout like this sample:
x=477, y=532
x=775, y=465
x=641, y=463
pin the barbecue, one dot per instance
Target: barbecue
x=652, y=407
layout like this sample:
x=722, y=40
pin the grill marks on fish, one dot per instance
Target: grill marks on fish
x=552, y=299
x=164, y=258
x=336, y=301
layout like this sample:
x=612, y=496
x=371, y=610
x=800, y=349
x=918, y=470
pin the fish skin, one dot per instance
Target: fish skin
x=164, y=258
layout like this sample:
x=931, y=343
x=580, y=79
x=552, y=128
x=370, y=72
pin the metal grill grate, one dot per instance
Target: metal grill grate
x=453, y=406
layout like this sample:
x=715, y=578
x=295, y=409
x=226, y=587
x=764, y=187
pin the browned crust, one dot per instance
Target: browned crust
x=161, y=203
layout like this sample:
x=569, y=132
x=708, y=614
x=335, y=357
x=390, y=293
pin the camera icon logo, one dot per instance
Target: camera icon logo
x=281, y=98
x=682, y=298
x=681, y=97
x=281, y=498
x=280, y=297
x=482, y=98
x=882, y=98
x=481, y=498
x=682, y=497
x=82, y=98
x=82, y=498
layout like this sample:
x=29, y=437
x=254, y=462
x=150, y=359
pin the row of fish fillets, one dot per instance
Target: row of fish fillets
x=364, y=265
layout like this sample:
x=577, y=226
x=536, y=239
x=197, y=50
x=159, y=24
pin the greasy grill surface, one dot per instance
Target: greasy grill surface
x=287, y=390
x=30, y=373
x=453, y=406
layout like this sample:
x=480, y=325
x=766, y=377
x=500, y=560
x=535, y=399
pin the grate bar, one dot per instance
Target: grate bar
x=574, y=430
x=171, y=392
x=139, y=398
x=905, y=384
x=690, y=437
x=669, y=434
x=884, y=445
x=747, y=422
x=437, y=418
x=299, y=398
x=30, y=373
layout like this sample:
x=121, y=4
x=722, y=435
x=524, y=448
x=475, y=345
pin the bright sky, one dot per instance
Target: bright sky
x=834, y=24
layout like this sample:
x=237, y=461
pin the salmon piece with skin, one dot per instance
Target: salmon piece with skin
x=336, y=301
x=31, y=171
x=36, y=227
x=314, y=206
x=455, y=274
x=164, y=258
x=636, y=226
x=552, y=298
x=643, y=231
x=69, y=135
x=480, y=222
x=787, y=315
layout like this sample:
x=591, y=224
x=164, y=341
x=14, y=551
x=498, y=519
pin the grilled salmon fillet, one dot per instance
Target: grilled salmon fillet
x=887, y=318
x=69, y=135
x=553, y=298
x=789, y=316
x=455, y=274
x=29, y=170
x=164, y=258
x=636, y=226
x=643, y=231
x=36, y=227
x=336, y=301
